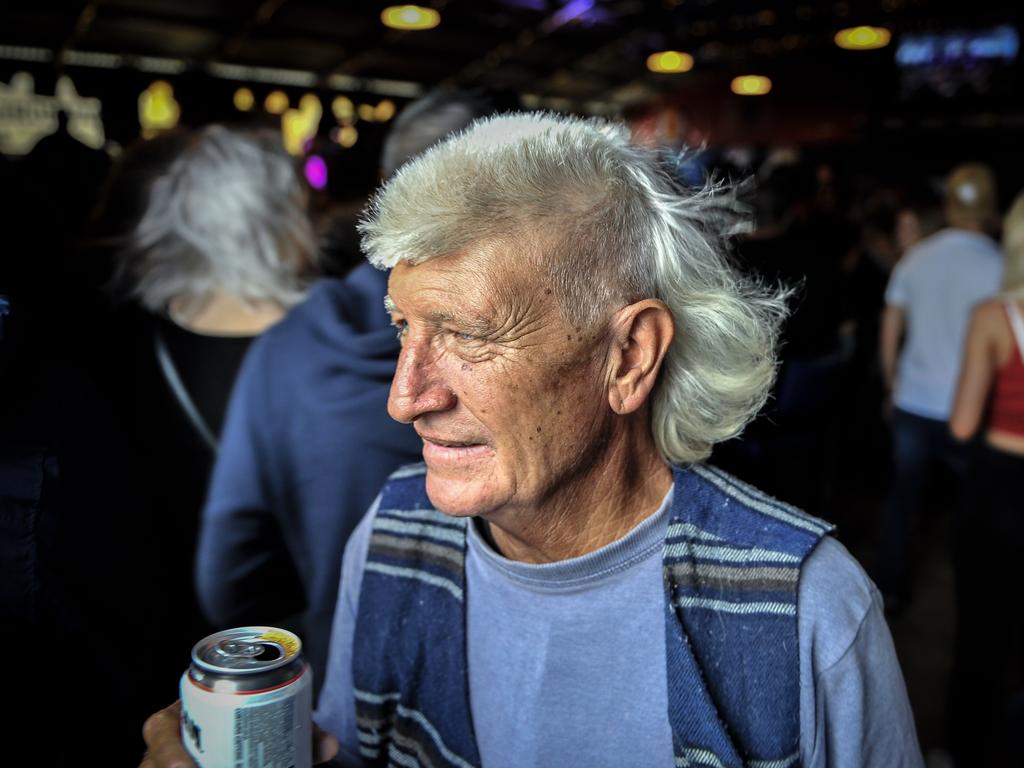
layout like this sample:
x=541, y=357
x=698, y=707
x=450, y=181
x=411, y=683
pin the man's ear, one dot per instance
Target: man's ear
x=642, y=333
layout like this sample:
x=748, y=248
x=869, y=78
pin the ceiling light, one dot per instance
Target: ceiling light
x=348, y=136
x=299, y=126
x=670, y=62
x=158, y=109
x=863, y=38
x=160, y=65
x=342, y=108
x=244, y=100
x=92, y=59
x=276, y=102
x=384, y=111
x=24, y=53
x=410, y=17
x=751, y=85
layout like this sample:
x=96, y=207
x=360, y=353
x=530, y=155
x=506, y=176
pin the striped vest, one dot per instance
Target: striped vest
x=731, y=568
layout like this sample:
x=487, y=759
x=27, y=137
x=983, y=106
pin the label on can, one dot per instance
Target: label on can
x=254, y=725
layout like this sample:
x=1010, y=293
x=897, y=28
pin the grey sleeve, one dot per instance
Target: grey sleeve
x=896, y=291
x=854, y=710
x=336, y=708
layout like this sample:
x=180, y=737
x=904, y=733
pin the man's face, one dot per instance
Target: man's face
x=510, y=400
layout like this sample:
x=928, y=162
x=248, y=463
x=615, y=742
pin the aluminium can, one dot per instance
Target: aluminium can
x=246, y=701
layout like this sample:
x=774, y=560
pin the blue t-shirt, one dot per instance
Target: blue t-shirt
x=567, y=660
x=937, y=284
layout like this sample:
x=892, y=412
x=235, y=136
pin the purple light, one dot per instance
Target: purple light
x=572, y=10
x=316, y=171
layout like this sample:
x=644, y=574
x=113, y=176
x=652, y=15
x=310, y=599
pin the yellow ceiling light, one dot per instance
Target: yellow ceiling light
x=863, y=38
x=410, y=17
x=244, y=100
x=310, y=102
x=366, y=112
x=670, y=62
x=158, y=109
x=384, y=111
x=348, y=135
x=276, y=102
x=751, y=85
x=343, y=108
x=299, y=126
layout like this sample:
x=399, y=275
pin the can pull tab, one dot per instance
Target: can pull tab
x=244, y=649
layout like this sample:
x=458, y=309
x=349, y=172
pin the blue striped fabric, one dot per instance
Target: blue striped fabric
x=412, y=710
x=732, y=569
x=731, y=566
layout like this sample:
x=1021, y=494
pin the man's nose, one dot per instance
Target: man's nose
x=417, y=387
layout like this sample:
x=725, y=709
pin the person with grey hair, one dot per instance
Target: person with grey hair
x=212, y=241
x=563, y=581
x=225, y=242
x=434, y=116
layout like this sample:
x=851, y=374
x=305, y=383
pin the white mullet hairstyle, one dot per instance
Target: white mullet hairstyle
x=228, y=215
x=613, y=228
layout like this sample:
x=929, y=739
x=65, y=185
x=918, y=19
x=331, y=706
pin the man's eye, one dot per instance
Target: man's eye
x=400, y=327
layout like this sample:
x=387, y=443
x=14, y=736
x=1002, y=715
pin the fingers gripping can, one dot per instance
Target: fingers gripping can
x=246, y=701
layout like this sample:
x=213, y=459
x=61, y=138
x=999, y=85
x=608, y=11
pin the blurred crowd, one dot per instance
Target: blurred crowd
x=195, y=360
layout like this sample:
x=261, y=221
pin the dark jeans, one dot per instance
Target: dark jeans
x=988, y=552
x=920, y=446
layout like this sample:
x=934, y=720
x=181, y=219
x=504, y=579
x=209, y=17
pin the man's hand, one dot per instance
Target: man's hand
x=164, y=749
x=162, y=733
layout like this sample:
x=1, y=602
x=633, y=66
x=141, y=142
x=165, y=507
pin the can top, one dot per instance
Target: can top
x=246, y=650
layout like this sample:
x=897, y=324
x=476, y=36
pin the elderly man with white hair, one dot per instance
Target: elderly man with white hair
x=562, y=581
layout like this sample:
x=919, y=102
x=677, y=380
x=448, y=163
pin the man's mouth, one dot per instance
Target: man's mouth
x=442, y=450
x=449, y=443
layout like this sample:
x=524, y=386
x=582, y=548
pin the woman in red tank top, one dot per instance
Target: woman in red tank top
x=989, y=540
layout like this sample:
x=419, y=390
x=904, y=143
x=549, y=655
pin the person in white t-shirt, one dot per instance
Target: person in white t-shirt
x=928, y=303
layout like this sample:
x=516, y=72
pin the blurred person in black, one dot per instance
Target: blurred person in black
x=62, y=178
x=46, y=200
x=987, y=681
x=222, y=250
x=800, y=242
x=107, y=447
x=50, y=424
x=919, y=216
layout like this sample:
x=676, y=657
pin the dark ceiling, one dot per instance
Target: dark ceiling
x=584, y=50
x=587, y=55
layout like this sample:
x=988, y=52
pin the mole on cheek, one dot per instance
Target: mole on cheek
x=467, y=367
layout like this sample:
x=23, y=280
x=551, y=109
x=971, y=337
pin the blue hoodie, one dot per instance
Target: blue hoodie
x=306, y=447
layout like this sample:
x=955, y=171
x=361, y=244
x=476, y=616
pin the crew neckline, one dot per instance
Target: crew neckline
x=643, y=541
